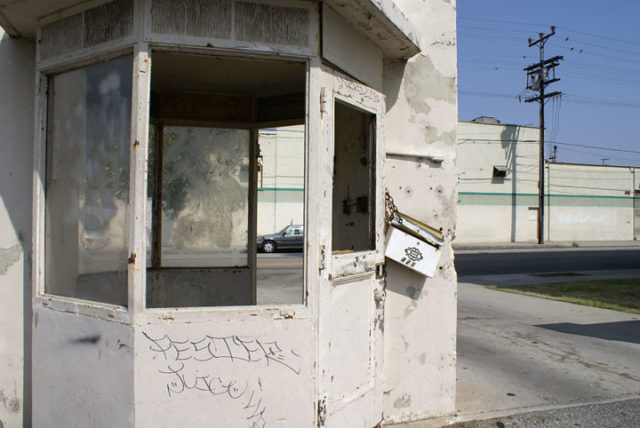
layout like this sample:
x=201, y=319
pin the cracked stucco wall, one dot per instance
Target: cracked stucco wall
x=420, y=333
x=16, y=141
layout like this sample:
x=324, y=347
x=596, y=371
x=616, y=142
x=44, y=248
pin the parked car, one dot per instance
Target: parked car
x=291, y=237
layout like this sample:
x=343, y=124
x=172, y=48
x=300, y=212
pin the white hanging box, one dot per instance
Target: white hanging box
x=414, y=244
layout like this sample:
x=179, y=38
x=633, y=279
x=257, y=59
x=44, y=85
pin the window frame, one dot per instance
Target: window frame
x=136, y=309
x=39, y=295
x=249, y=312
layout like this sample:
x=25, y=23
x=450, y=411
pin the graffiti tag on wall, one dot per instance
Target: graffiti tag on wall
x=188, y=363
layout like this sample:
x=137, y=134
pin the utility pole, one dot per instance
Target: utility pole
x=540, y=75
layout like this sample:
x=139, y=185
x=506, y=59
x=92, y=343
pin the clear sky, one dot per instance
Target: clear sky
x=598, y=117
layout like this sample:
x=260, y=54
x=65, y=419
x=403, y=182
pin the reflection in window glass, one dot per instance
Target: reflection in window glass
x=280, y=240
x=201, y=221
x=212, y=191
x=87, y=182
x=205, y=197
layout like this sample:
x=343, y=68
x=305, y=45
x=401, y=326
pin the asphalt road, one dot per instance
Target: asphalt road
x=280, y=278
x=519, y=353
x=545, y=260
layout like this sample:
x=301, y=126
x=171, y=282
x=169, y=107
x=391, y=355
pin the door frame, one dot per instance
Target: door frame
x=350, y=277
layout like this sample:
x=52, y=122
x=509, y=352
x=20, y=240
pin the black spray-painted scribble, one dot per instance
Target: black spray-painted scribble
x=180, y=381
x=232, y=348
x=189, y=365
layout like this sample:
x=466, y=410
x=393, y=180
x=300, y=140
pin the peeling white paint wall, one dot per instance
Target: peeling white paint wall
x=224, y=374
x=16, y=137
x=420, y=315
x=82, y=371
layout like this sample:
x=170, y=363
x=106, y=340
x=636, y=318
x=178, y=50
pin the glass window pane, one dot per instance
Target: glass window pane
x=280, y=222
x=211, y=191
x=87, y=182
x=205, y=197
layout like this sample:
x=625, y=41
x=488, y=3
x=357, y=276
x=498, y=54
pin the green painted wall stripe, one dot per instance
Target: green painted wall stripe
x=592, y=196
x=546, y=196
x=531, y=199
x=497, y=194
x=472, y=198
x=280, y=189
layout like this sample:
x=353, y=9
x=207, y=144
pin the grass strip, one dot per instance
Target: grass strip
x=616, y=294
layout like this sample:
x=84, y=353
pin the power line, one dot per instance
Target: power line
x=608, y=48
x=582, y=51
x=567, y=98
x=592, y=100
x=538, y=25
x=506, y=30
x=464, y=18
x=600, y=36
x=471, y=139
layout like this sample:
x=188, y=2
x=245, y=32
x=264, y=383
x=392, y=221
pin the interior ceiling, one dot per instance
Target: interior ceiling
x=174, y=72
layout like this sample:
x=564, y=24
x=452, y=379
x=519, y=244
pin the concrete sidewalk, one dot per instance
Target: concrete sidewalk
x=547, y=245
x=616, y=414
x=524, y=361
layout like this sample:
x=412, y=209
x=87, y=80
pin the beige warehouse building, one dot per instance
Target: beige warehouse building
x=498, y=191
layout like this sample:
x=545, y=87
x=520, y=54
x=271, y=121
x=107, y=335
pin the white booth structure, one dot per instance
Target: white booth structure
x=139, y=293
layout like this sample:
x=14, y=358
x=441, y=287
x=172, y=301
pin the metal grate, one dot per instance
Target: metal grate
x=195, y=18
x=255, y=22
x=108, y=22
x=61, y=37
x=104, y=23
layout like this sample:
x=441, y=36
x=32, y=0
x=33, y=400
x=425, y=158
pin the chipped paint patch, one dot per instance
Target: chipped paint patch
x=412, y=307
x=424, y=81
x=404, y=401
x=9, y=256
x=12, y=404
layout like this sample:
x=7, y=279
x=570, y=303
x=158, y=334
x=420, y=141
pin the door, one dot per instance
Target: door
x=351, y=291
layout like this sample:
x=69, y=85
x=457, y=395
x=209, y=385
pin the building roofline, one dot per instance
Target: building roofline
x=591, y=164
x=498, y=124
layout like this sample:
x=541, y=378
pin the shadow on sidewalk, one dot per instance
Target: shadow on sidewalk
x=622, y=331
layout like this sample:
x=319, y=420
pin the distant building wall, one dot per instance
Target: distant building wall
x=491, y=207
x=281, y=178
x=582, y=202
x=590, y=202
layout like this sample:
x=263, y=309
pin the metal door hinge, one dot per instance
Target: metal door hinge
x=380, y=271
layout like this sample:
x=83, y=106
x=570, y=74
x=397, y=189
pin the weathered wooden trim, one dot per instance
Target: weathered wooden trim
x=139, y=152
x=39, y=178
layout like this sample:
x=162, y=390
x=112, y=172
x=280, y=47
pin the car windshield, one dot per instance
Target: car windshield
x=281, y=231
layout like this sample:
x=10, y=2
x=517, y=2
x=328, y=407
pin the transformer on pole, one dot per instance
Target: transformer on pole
x=540, y=75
